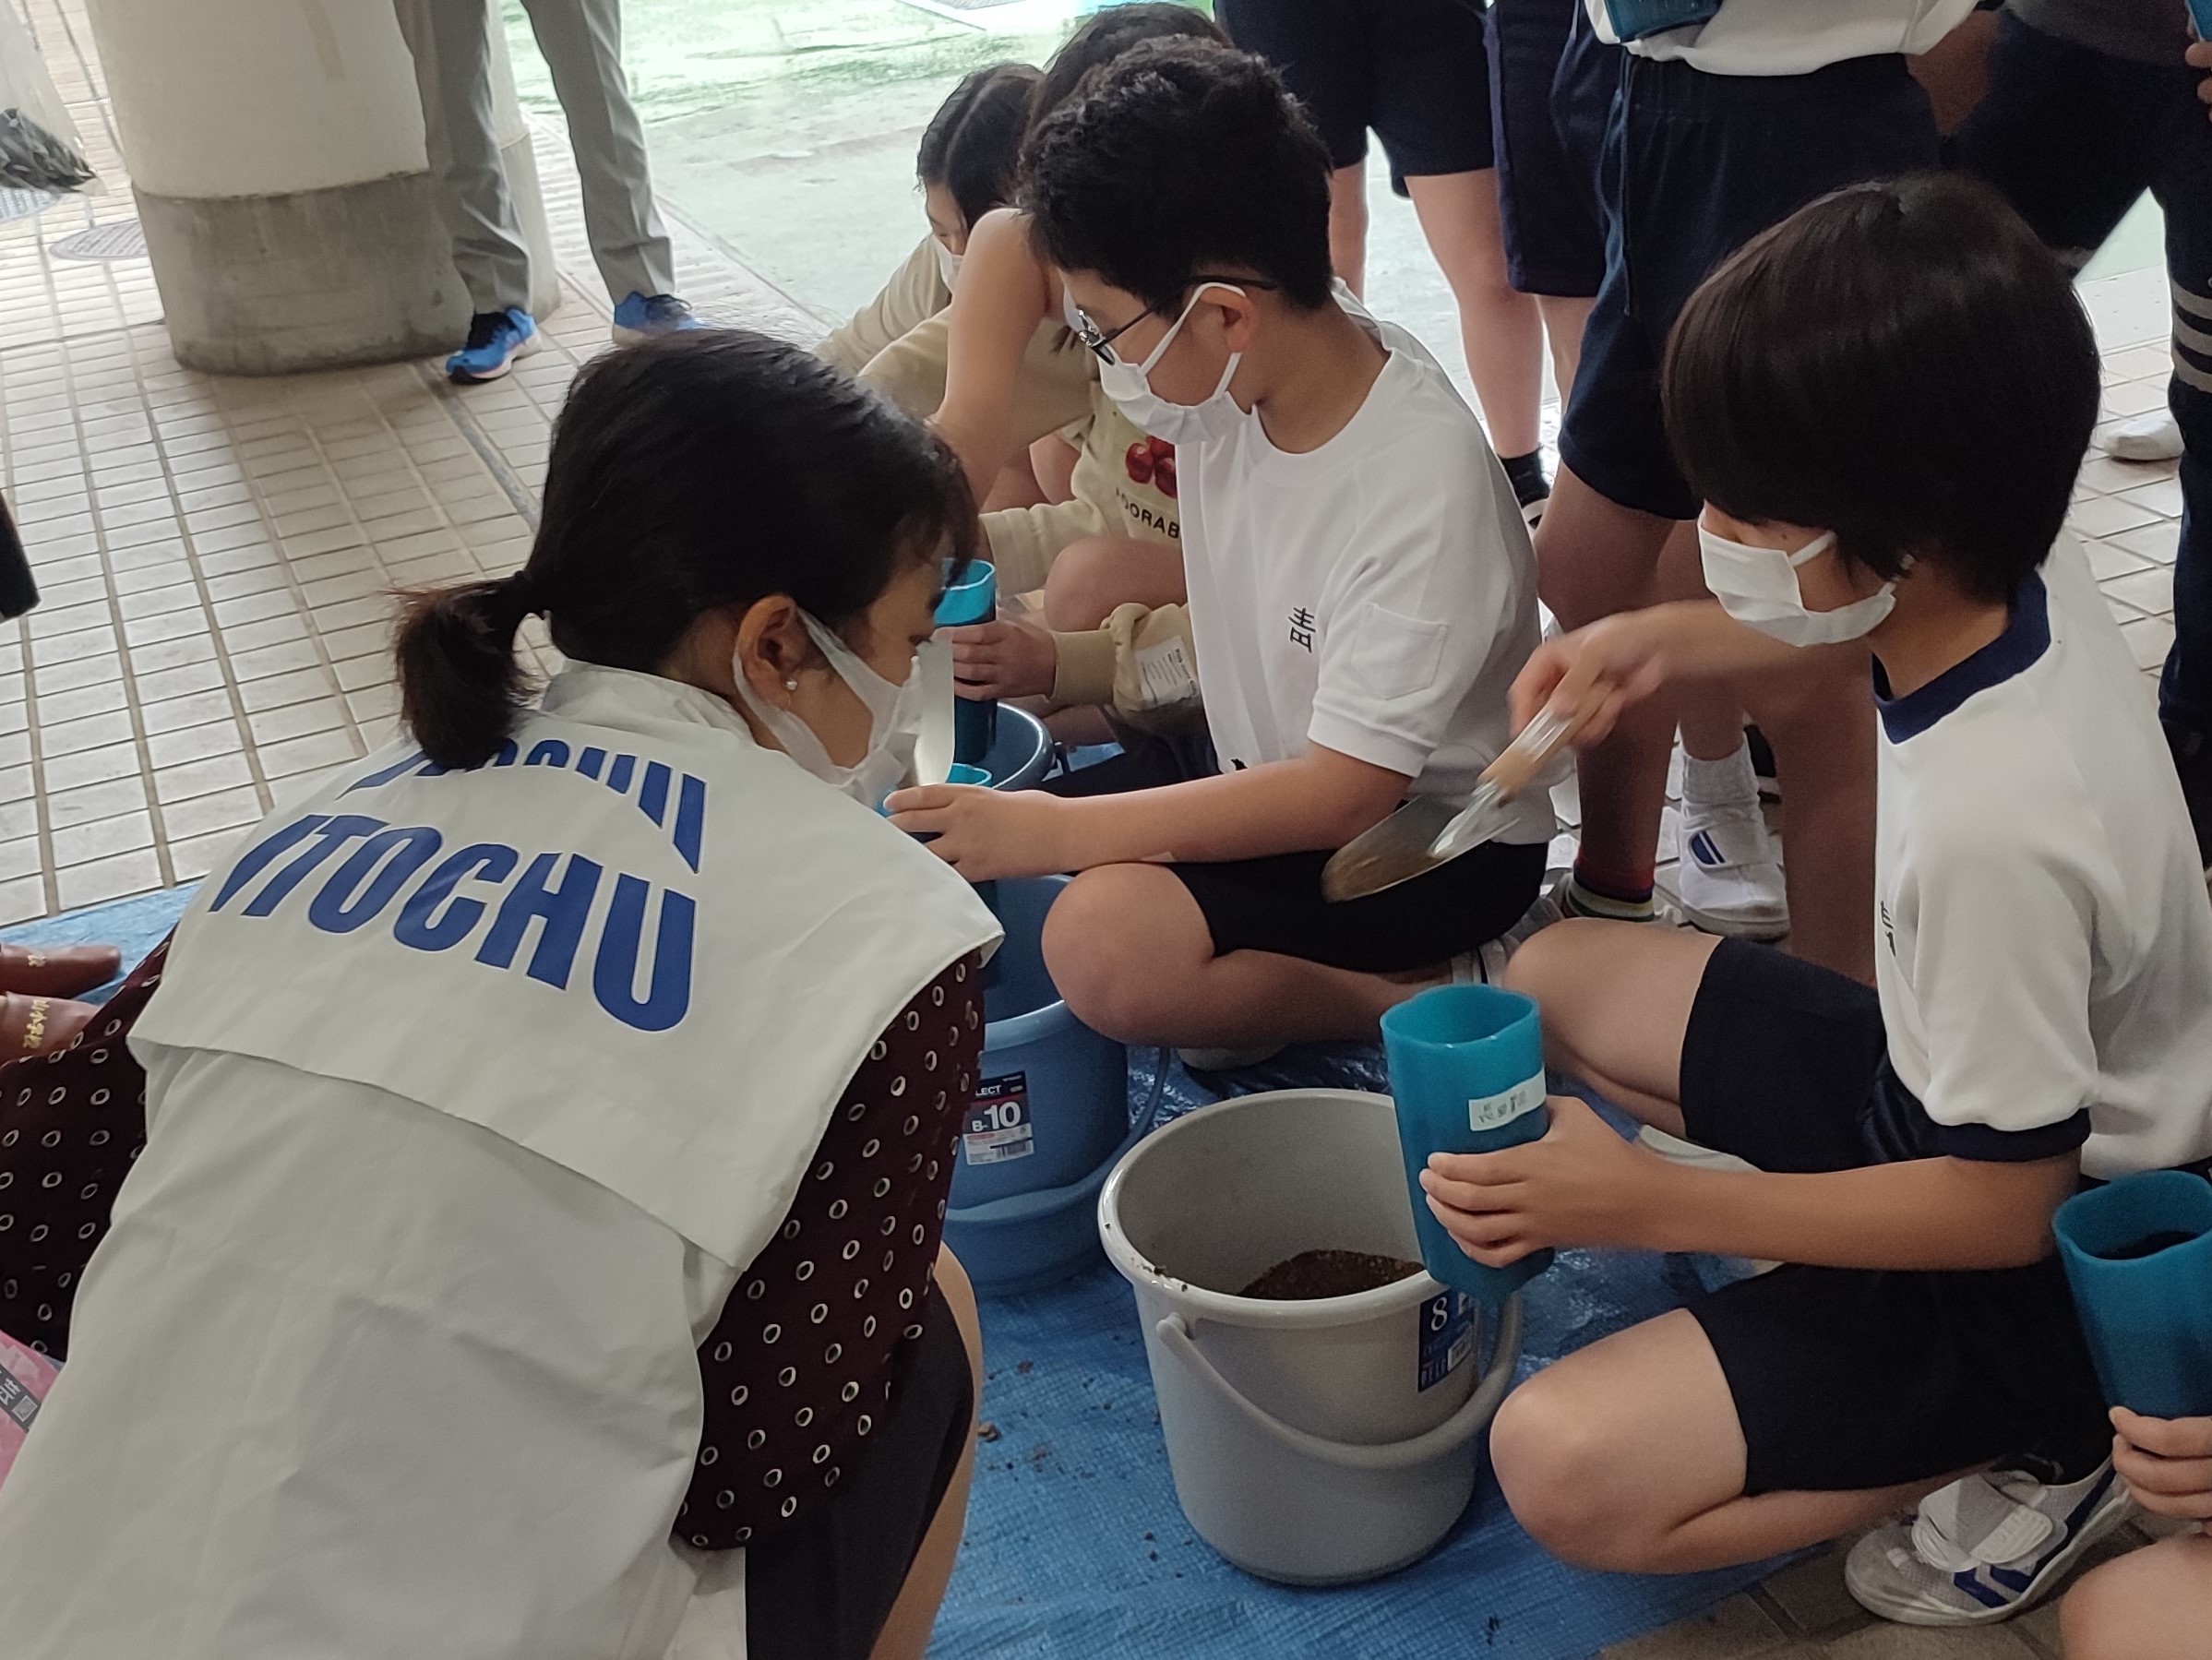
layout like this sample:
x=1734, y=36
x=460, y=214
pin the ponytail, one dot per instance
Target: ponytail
x=701, y=471
x=461, y=685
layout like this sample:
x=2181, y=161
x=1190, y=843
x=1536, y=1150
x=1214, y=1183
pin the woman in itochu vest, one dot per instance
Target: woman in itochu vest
x=534, y=1248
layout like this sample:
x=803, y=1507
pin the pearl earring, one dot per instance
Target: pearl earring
x=791, y=686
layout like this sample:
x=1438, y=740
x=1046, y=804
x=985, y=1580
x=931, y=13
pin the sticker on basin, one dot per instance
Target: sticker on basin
x=998, y=1126
x=1447, y=1335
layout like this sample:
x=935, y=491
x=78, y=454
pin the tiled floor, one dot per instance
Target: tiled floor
x=218, y=557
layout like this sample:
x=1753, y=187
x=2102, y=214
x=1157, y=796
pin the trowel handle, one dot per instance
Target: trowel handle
x=1532, y=751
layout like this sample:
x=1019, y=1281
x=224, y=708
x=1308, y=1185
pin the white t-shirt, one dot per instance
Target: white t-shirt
x=2045, y=948
x=1795, y=37
x=1375, y=596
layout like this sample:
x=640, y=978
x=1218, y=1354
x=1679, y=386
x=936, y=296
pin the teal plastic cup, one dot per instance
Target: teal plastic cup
x=973, y=599
x=965, y=774
x=1466, y=1069
x=2139, y=1255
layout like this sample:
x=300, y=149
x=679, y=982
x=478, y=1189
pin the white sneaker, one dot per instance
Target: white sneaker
x=1983, y=1548
x=1729, y=880
x=2153, y=437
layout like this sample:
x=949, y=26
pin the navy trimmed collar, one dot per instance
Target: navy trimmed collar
x=2026, y=638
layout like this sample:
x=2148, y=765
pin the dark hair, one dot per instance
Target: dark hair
x=1104, y=36
x=972, y=145
x=1901, y=363
x=1181, y=157
x=706, y=469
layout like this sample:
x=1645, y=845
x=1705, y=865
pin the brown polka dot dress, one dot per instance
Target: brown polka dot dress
x=70, y=1125
x=798, y=1371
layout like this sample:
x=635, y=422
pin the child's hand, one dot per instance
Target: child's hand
x=1012, y=658
x=984, y=834
x=1579, y=1183
x=2167, y=1463
x=1615, y=661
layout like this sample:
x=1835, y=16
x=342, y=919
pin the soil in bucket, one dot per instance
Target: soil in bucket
x=1319, y=1273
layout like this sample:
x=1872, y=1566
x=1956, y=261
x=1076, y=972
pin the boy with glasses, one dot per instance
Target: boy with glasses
x=1361, y=591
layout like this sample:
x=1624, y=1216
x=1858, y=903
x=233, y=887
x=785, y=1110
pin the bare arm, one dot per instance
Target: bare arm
x=1004, y=293
x=1620, y=661
x=1319, y=801
x=1581, y=1184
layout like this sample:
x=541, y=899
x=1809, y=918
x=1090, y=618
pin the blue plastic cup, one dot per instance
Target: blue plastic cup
x=1466, y=1068
x=963, y=774
x=973, y=599
x=2138, y=1254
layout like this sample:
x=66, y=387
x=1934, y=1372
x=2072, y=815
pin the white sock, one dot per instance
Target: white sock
x=1725, y=782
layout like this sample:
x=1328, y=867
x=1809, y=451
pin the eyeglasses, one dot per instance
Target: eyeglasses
x=1101, y=341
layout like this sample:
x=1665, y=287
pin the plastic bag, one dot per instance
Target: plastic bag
x=39, y=145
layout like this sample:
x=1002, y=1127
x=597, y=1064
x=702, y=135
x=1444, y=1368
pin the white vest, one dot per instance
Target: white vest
x=636, y=943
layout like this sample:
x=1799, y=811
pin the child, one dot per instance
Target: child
x=1900, y=474
x=1361, y=589
x=968, y=155
x=1115, y=540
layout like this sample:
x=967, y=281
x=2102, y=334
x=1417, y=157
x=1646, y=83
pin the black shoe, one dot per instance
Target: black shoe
x=2193, y=760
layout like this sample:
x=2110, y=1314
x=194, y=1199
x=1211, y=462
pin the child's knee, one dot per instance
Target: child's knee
x=1096, y=957
x=1083, y=588
x=2096, y=1618
x=1558, y=1472
x=1551, y=960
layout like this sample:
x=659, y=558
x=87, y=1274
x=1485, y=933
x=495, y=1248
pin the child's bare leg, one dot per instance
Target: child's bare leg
x=1130, y=949
x=1347, y=225
x=1090, y=577
x=2154, y=1604
x=1628, y=1456
x=1615, y=998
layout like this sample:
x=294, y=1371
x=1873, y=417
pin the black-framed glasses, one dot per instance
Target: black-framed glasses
x=1101, y=342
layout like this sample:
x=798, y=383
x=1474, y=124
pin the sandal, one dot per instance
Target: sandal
x=39, y=1025
x=57, y=971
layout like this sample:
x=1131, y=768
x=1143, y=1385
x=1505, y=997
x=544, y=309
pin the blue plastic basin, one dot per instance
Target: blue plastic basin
x=1049, y=1118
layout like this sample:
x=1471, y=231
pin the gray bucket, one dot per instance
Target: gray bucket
x=1316, y=1443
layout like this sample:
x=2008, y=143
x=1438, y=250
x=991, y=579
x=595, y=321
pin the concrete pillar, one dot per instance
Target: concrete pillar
x=276, y=149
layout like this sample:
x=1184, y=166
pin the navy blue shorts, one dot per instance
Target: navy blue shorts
x=1696, y=165
x=1413, y=70
x=1846, y=1379
x=1551, y=87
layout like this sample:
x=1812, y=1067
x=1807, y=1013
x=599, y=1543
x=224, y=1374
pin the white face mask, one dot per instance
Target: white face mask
x=1130, y=385
x=948, y=262
x=894, y=722
x=1758, y=587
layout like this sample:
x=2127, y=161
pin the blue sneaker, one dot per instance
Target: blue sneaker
x=495, y=340
x=649, y=317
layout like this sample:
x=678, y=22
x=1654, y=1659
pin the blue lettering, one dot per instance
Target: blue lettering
x=423, y=927
x=653, y=795
x=589, y=761
x=341, y=905
x=615, y=971
x=691, y=819
x=384, y=775
x=619, y=775
x=333, y=834
x=563, y=911
x=551, y=752
x=255, y=859
x=505, y=754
